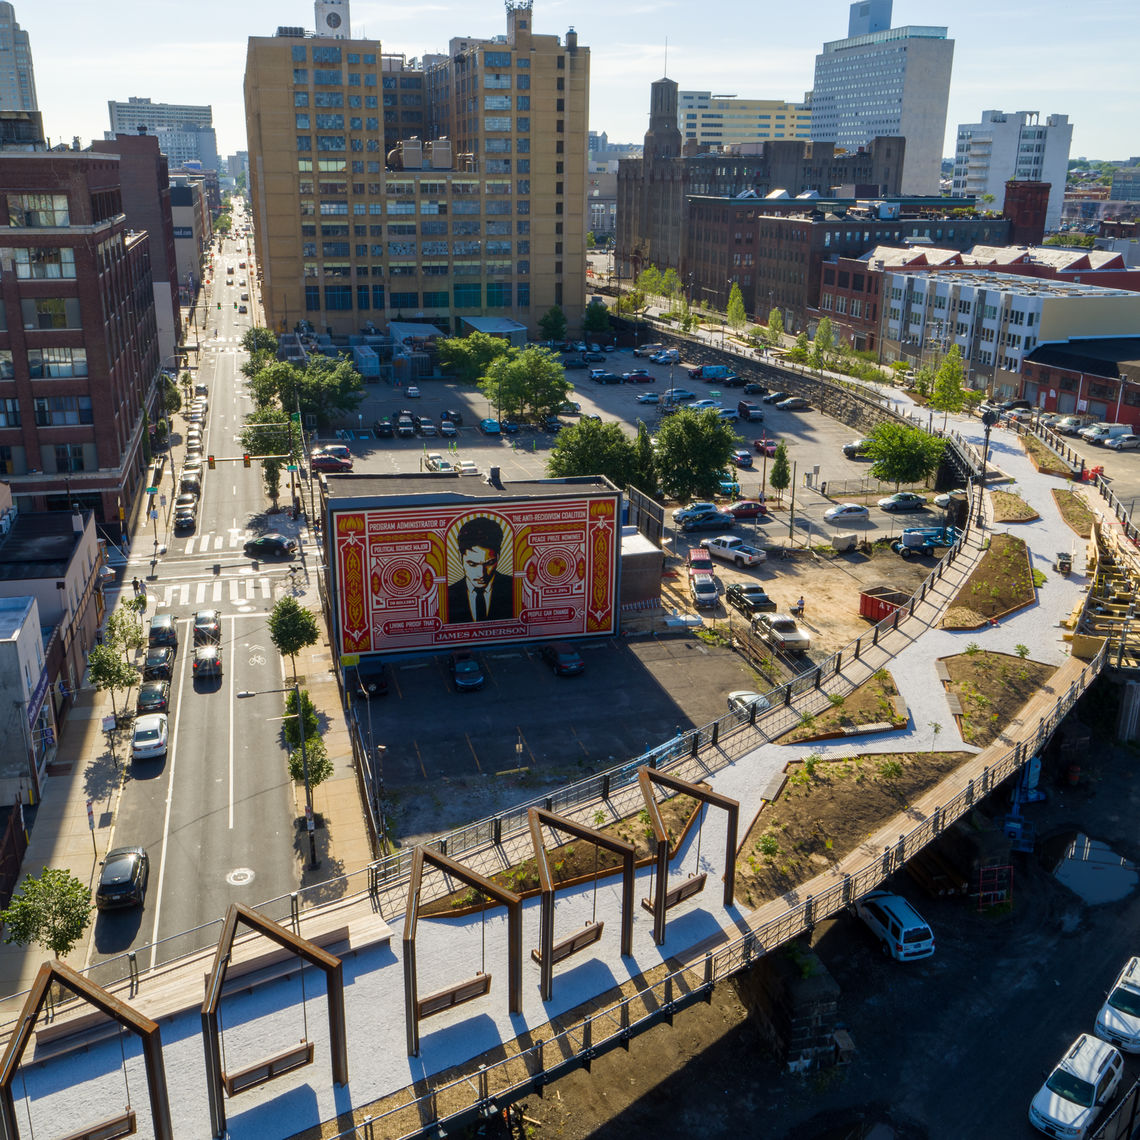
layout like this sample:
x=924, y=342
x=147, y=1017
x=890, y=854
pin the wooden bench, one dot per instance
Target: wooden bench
x=693, y=885
x=942, y=671
x=109, y=1129
x=953, y=704
x=268, y=1069
x=452, y=996
x=579, y=940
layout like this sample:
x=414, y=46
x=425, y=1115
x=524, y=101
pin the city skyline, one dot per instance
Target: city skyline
x=1015, y=58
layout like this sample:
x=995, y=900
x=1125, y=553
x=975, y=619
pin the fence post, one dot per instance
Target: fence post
x=587, y=1053
x=540, y=1076
x=715, y=732
x=787, y=695
x=809, y=906
x=875, y=636
x=818, y=676
x=858, y=647
x=605, y=785
x=970, y=792
x=886, y=861
x=846, y=889
x=498, y=831
x=695, y=744
x=936, y=820
x=708, y=983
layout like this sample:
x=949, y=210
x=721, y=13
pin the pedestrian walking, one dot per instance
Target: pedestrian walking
x=137, y=586
x=798, y=608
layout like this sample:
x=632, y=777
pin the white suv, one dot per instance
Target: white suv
x=899, y=927
x=1083, y=1082
x=1119, y=1019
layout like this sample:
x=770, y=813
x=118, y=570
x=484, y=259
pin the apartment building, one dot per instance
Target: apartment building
x=478, y=209
x=17, y=76
x=1018, y=147
x=723, y=120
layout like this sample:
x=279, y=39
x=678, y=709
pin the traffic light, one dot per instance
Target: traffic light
x=245, y=459
x=210, y=462
x=219, y=304
x=235, y=304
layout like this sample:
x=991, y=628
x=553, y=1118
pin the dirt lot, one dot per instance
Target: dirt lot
x=950, y=1048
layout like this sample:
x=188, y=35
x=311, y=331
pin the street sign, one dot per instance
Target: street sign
x=152, y=490
x=108, y=724
x=154, y=514
x=162, y=500
x=91, y=814
x=291, y=467
x=310, y=823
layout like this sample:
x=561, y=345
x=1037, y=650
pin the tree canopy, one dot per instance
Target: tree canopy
x=324, y=388
x=775, y=327
x=292, y=628
x=780, y=473
x=948, y=393
x=596, y=319
x=592, y=448
x=693, y=448
x=109, y=671
x=259, y=340
x=526, y=384
x=734, y=312
x=52, y=911
x=900, y=453
x=468, y=357
x=552, y=324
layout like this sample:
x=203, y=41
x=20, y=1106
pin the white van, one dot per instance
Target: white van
x=1102, y=433
x=901, y=929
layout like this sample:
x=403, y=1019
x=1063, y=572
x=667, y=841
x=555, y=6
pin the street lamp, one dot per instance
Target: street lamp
x=989, y=418
x=310, y=823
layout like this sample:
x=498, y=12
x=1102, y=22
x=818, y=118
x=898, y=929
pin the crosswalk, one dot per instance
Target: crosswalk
x=233, y=590
x=205, y=543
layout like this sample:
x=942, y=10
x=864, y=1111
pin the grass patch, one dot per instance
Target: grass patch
x=1044, y=458
x=871, y=703
x=1075, y=511
x=825, y=812
x=1001, y=582
x=991, y=687
x=1011, y=507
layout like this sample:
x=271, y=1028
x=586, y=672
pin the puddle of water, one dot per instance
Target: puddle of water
x=1094, y=871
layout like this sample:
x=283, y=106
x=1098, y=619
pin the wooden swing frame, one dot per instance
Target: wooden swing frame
x=286, y=1061
x=417, y=1008
x=665, y=898
x=549, y=952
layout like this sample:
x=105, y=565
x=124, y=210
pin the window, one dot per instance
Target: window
x=523, y=294
x=522, y=82
x=498, y=294
x=404, y=300
x=523, y=124
x=330, y=142
x=498, y=208
x=300, y=75
x=330, y=122
x=496, y=59
x=334, y=249
x=299, y=53
x=9, y=413
x=38, y=211
x=304, y=143
x=338, y=298
x=312, y=298
x=326, y=55
x=69, y=457
x=468, y=296
x=496, y=102
x=328, y=99
x=378, y=296
x=496, y=122
x=362, y=297
x=522, y=103
x=62, y=411
x=56, y=363
x=300, y=98
x=51, y=313
x=437, y=300
x=41, y=263
x=498, y=146
x=327, y=77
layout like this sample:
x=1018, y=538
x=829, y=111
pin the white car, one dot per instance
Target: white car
x=150, y=737
x=1083, y=1082
x=467, y=467
x=1123, y=442
x=846, y=512
x=681, y=514
x=902, y=931
x=649, y=398
x=412, y=392
x=1118, y=1022
x=743, y=701
x=705, y=405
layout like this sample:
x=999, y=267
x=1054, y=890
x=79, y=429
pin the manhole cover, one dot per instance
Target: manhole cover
x=240, y=877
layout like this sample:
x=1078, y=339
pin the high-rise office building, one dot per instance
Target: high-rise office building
x=17, y=79
x=886, y=81
x=476, y=208
x=725, y=120
x=185, y=131
x=1017, y=147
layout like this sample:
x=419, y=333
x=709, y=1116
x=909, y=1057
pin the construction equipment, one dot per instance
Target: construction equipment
x=924, y=540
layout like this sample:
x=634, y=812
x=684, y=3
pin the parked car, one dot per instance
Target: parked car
x=678, y=395
x=509, y=427
x=729, y=548
x=846, y=512
x=903, y=501
x=412, y=392
x=775, y=397
x=149, y=738
x=712, y=520
x=123, y=879
x=903, y=932
x=706, y=405
x=564, y=660
x=242, y=309
x=754, y=389
x=383, y=429
x=330, y=463
x=1127, y=442
x=749, y=598
x=699, y=508
x=703, y=589
x=163, y=630
x=465, y=672
x=454, y=415
x=467, y=467
x=271, y=546
x=1078, y=1089
x=186, y=518
x=637, y=376
x=154, y=697
x=1118, y=1022
x=447, y=429
x=792, y=404
x=781, y=632
x=489, y=426
x=370, y=679
x=427, y=426
x=594, y=357
x=569, y=408
x=741, y=458
x=207, y=627
x=158, y=664
x=648, y=398
x=765, y=446
x=747, y=509
x=743, y=701
x=856, y=449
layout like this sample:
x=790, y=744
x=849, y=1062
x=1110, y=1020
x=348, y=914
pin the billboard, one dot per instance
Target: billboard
x=480, y=571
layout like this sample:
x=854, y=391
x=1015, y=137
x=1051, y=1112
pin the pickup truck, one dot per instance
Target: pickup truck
x=781, y=632
x=700, y=561
x=733, y=550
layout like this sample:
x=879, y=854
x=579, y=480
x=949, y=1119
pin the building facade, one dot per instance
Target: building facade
x=478, y=211
x=17, y=77
x=1019, y=147
x=722, y=120
x=1094, y=377
x=78, y=336
x=886, y=81
x=185, y=131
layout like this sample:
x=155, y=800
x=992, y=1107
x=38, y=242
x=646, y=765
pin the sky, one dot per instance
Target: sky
x=1070, y=57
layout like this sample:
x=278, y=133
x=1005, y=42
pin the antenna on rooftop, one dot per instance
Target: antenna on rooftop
x=666, y=71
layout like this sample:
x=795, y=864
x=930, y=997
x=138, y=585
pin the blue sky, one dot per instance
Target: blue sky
x=1074, y=58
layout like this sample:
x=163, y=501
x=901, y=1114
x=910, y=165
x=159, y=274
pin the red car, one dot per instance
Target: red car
x=765, y=446
x=330, y=463
x=747, y=509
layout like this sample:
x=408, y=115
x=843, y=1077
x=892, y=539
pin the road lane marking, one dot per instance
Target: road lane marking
x=230, y=720
x=478, y=766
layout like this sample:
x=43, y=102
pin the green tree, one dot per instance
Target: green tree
x=269, y=379
x=644, y=474
x=171, y=396
x=328, y=389
x=552, y=324
x=271, y=474
x=734, y=311
x=775, y=332
x=125, y=626
x=800, y=352
x=923, y=380
x=780, y=473
x=824, y=343
x=292, y=628
x=671, y=283
x=949, y=391
x=109, y=671
x=900, y=453
x=530, y=383
x=649, y=281
x=316, y=757
x=592, y=448
x=53, y=911
x=259, y=340
x=468, y=357
x=1077, y=241
x=693, y=448
x=596, y=320
x=292, y=729
x=591, y=243
x=270, y=431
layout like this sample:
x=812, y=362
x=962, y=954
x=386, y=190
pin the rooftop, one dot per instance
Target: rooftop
x=1109, y=357
x=1028, y=286
x=13, y=614
x=39, y=546
x=442, y=487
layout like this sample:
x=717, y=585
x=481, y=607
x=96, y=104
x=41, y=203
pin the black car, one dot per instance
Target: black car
x=370, y=679
x=776, y=397
x=607, y=378
x=733, y=381
x=383, y=429
x=454, y=415
x=159, y=663
x=271, y=546
x=551, y=424
x=207, y=661
x=465, y=672
x=711, y=520
x=594, y=357
x=207, y=627
x=856, y=449
x=154, y=697
x=163, y=630
x=123, y=879
x=574, y=362
x=564, y=660
x=185, y=518
x=754, y=389
x=749, y=598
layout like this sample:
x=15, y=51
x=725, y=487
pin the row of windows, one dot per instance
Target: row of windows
x=49, y=411
x=38, y=211
x=340, y=298
x=44, y=263
x=46, y=363
x=324, y=77
x=335, y=99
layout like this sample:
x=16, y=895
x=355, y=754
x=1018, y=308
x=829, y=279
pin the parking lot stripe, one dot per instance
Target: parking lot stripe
x=475, y=754
x=420, y=759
